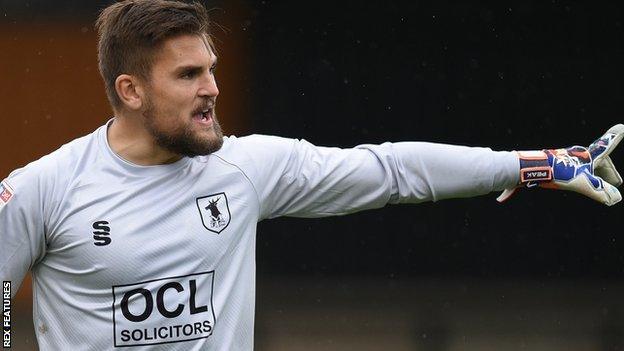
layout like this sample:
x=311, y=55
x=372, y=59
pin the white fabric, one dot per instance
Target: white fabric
x=167, y=247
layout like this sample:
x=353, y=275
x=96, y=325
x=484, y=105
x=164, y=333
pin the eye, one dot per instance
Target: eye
x=189, y=74
x=213, y=68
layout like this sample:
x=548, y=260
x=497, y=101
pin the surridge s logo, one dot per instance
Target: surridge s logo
x=101, y=235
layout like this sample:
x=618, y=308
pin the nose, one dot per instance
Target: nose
x=208, y=86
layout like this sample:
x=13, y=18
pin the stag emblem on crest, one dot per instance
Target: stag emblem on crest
x=214, y=211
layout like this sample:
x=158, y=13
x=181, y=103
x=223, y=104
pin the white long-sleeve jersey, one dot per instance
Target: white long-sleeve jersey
x=163, y=257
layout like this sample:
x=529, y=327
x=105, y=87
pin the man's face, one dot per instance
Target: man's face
x=180, y=97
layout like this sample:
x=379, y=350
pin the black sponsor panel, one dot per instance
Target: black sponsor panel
x=166, y=310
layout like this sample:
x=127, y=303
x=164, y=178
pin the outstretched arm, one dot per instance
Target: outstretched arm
x=295, y=178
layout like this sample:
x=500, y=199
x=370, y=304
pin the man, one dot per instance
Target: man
x=142, y=234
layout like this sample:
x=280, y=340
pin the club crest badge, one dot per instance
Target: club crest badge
x=214, y=211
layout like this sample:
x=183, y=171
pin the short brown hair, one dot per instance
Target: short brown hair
x=130, y=31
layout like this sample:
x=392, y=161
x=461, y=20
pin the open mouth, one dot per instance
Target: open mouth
x=204, y=116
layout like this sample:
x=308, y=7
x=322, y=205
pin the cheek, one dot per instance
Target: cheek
x=173, y=103
x=171, y=106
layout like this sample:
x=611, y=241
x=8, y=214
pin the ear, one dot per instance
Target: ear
x=129, y=91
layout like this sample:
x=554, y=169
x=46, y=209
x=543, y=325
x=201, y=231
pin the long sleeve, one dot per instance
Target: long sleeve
x=431, y=172
x=295, y=178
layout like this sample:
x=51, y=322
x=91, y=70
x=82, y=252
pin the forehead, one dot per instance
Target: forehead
x=184, y=50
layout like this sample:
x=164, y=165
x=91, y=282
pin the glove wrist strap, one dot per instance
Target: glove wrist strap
x=534, y=167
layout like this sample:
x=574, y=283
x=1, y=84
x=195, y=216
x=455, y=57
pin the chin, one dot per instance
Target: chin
x=207, y=146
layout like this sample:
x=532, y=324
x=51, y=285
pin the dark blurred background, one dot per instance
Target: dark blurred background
x=541, y=272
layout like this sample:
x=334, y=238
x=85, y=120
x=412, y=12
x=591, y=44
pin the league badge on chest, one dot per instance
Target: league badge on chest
x=214, y=211
x=6, y=193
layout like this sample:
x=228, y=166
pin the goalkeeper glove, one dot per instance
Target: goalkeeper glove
x=588, y=171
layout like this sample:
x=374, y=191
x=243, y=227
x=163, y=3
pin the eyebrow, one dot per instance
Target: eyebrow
x=191, y=68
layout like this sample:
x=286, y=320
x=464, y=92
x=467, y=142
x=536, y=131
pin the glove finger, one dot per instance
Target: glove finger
x=604, y=145
x=613, y=195
x=584, y=184
x=506, y=194
x=605, y=169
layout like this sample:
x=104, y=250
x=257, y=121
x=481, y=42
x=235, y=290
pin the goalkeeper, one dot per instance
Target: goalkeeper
x=142, y=234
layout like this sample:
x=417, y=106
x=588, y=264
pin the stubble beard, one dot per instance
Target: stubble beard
x=183, y=140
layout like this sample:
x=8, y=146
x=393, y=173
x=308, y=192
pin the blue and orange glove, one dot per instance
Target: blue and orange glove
x=585, y=170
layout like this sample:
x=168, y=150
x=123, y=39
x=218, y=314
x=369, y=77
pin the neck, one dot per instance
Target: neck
x=130, y=140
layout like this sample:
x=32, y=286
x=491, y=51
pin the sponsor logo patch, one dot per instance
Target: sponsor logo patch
x=163, y=311
x=6, y=193
x=536, y=174
x=214, y=212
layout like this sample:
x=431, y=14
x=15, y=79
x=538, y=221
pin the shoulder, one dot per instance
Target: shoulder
x=254, y=149
x=259, y=157
x=255, y=143
x=53, y=170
